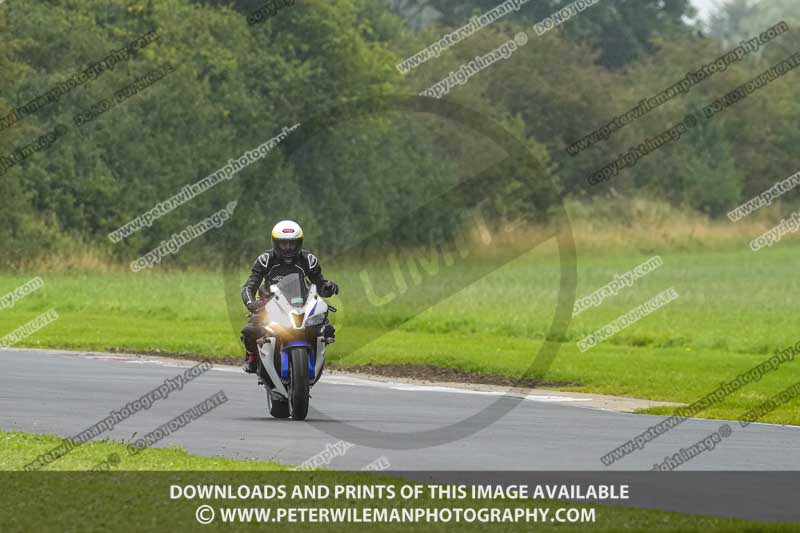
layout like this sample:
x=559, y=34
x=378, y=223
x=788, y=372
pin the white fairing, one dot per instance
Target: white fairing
x=320, y=358
x=265, y=352
x=281, y=311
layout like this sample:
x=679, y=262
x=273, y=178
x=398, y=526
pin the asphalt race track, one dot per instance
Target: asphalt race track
x=64, y=393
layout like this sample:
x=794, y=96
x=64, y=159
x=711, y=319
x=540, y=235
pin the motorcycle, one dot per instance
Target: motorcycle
x=292, y=354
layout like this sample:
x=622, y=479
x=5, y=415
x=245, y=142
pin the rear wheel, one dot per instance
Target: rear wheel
x=298, y=384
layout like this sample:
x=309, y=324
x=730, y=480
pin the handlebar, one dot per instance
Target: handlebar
x=262, y=303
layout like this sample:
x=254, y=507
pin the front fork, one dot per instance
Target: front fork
x=266, y=353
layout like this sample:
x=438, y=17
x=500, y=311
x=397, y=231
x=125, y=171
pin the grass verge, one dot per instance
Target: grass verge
x=71, y=500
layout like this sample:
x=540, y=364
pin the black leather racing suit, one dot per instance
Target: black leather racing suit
x=272, y=268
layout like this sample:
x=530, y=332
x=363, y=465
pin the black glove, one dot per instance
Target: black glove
x=328, y=289
x=254, y=306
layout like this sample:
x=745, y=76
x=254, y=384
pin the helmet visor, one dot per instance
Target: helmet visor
x=288, y=247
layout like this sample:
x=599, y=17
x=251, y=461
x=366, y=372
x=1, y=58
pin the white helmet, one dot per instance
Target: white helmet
x=287, y=239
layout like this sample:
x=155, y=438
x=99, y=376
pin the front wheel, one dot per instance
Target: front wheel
x=298, y=384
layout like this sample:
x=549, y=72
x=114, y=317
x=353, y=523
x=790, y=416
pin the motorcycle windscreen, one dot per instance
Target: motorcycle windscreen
x=294, y=289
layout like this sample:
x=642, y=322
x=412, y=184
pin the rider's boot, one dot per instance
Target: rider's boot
x=250, y=365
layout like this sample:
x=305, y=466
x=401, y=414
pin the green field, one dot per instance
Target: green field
x=735, y=308
x=138, y=496
x=18, y=449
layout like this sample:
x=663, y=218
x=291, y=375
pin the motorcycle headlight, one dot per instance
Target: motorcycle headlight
x=316, y=320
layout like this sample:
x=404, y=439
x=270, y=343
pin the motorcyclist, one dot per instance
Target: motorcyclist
x=285, y=257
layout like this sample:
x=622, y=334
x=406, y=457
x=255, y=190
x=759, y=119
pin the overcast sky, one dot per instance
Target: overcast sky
x=706, y=7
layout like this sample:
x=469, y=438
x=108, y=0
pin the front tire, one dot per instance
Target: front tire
x=298, y=385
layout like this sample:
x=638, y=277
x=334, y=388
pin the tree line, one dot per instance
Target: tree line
x=233, y=85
